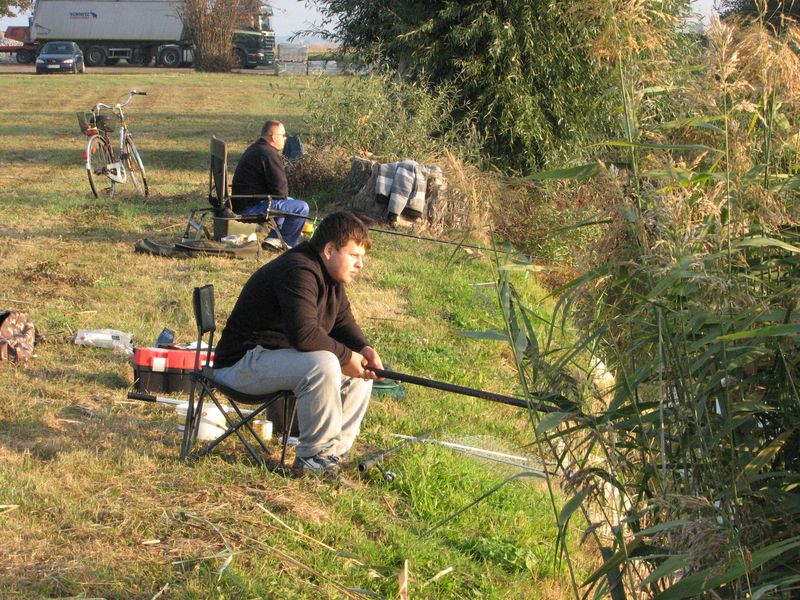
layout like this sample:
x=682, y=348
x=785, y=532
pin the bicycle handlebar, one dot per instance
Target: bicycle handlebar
x=115, y=107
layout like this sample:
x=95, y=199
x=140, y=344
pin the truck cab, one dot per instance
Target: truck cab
x=254, y=42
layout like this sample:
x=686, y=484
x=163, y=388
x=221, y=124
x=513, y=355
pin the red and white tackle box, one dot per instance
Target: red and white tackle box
x=164, y=369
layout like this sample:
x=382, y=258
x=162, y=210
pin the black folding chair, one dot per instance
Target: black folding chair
x=221, y=201
x=239, y=421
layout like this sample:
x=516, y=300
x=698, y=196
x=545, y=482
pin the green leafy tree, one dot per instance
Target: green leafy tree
x=12, y=9
x=524, y=72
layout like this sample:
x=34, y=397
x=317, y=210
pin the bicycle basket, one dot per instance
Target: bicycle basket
x=86, y=123
x=107, y=122
x=90, y=123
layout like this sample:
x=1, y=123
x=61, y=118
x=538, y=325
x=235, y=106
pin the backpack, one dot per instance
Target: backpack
x=17, y=336
x=294, y=149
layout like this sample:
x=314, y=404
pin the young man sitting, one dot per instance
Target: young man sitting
x=292, y=329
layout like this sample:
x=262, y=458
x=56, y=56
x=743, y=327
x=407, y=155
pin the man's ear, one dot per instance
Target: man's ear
x=327, y=250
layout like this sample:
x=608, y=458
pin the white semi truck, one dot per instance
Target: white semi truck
x=140, y=31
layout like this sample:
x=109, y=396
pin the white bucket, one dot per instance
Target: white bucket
x=212, y=422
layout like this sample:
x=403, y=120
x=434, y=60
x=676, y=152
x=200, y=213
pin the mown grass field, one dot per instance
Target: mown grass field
x=94, y=501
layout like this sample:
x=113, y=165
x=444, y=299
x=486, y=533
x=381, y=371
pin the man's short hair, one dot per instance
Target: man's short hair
x=269, y=127
x=339, y=228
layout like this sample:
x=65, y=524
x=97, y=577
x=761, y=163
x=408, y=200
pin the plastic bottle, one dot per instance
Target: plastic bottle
x=112, y=339
x=239, y=239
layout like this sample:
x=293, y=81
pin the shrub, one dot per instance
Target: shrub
x=381, y=117
x=318, y=176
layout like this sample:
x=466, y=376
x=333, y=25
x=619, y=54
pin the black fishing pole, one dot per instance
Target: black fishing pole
x=458, y=389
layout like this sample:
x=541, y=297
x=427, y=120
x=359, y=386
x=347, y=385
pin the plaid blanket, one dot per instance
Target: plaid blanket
x=404, y=183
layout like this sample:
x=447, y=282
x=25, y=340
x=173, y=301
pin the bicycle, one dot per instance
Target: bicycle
x=101, y=162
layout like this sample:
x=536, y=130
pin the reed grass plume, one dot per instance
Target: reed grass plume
x=689, y=297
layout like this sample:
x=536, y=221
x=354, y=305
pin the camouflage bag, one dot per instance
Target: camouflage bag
x=17, y=336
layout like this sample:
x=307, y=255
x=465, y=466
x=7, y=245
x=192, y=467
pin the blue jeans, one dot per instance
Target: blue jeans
x=290, y=227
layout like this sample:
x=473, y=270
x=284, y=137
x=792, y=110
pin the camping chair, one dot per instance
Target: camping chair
x=221, y=200
x=238, y=421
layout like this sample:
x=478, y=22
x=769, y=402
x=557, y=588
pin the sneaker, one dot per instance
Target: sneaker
x=318, y=464
x=274, y=244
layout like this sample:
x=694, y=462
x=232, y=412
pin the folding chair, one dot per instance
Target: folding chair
x=238, y=420
x=221, y=200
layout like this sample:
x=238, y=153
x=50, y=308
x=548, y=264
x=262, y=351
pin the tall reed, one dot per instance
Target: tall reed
x=687, y=467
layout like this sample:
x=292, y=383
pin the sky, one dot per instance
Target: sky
x=293, y=15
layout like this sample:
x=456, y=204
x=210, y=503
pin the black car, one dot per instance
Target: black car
x=60, y=57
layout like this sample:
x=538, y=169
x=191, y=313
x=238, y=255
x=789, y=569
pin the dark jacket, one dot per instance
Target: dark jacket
x=291, y=302
x=259, y=172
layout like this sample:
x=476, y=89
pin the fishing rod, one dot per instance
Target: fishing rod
x=465, y=391
x=376, y=459
x=482, y=453
x=527, y=257
x=452, y=243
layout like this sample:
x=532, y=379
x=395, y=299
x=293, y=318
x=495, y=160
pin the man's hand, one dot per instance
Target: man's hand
x=373, y=360
x=355, y=367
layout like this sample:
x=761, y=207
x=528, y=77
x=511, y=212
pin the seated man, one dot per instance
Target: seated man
x=292, y=329
x=260, y=172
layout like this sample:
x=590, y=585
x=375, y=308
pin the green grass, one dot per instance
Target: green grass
x=98, y=504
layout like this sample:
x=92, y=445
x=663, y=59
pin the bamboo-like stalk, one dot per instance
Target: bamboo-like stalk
x=694, y=316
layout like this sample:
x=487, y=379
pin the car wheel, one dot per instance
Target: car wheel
x=83, y=67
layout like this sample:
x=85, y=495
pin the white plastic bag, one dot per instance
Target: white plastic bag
x=118, y=341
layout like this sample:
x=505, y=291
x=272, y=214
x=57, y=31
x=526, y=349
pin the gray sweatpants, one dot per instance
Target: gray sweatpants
x=330, y=406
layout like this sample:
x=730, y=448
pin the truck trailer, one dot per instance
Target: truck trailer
x=140, y=31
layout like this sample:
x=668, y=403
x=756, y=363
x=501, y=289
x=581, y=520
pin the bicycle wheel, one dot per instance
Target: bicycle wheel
x=135, y=167
x=98, y=155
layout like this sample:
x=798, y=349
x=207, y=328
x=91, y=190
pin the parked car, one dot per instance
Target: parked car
x=60, y=57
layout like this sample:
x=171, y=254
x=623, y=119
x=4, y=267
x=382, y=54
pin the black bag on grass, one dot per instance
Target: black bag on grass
x=194, y=248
